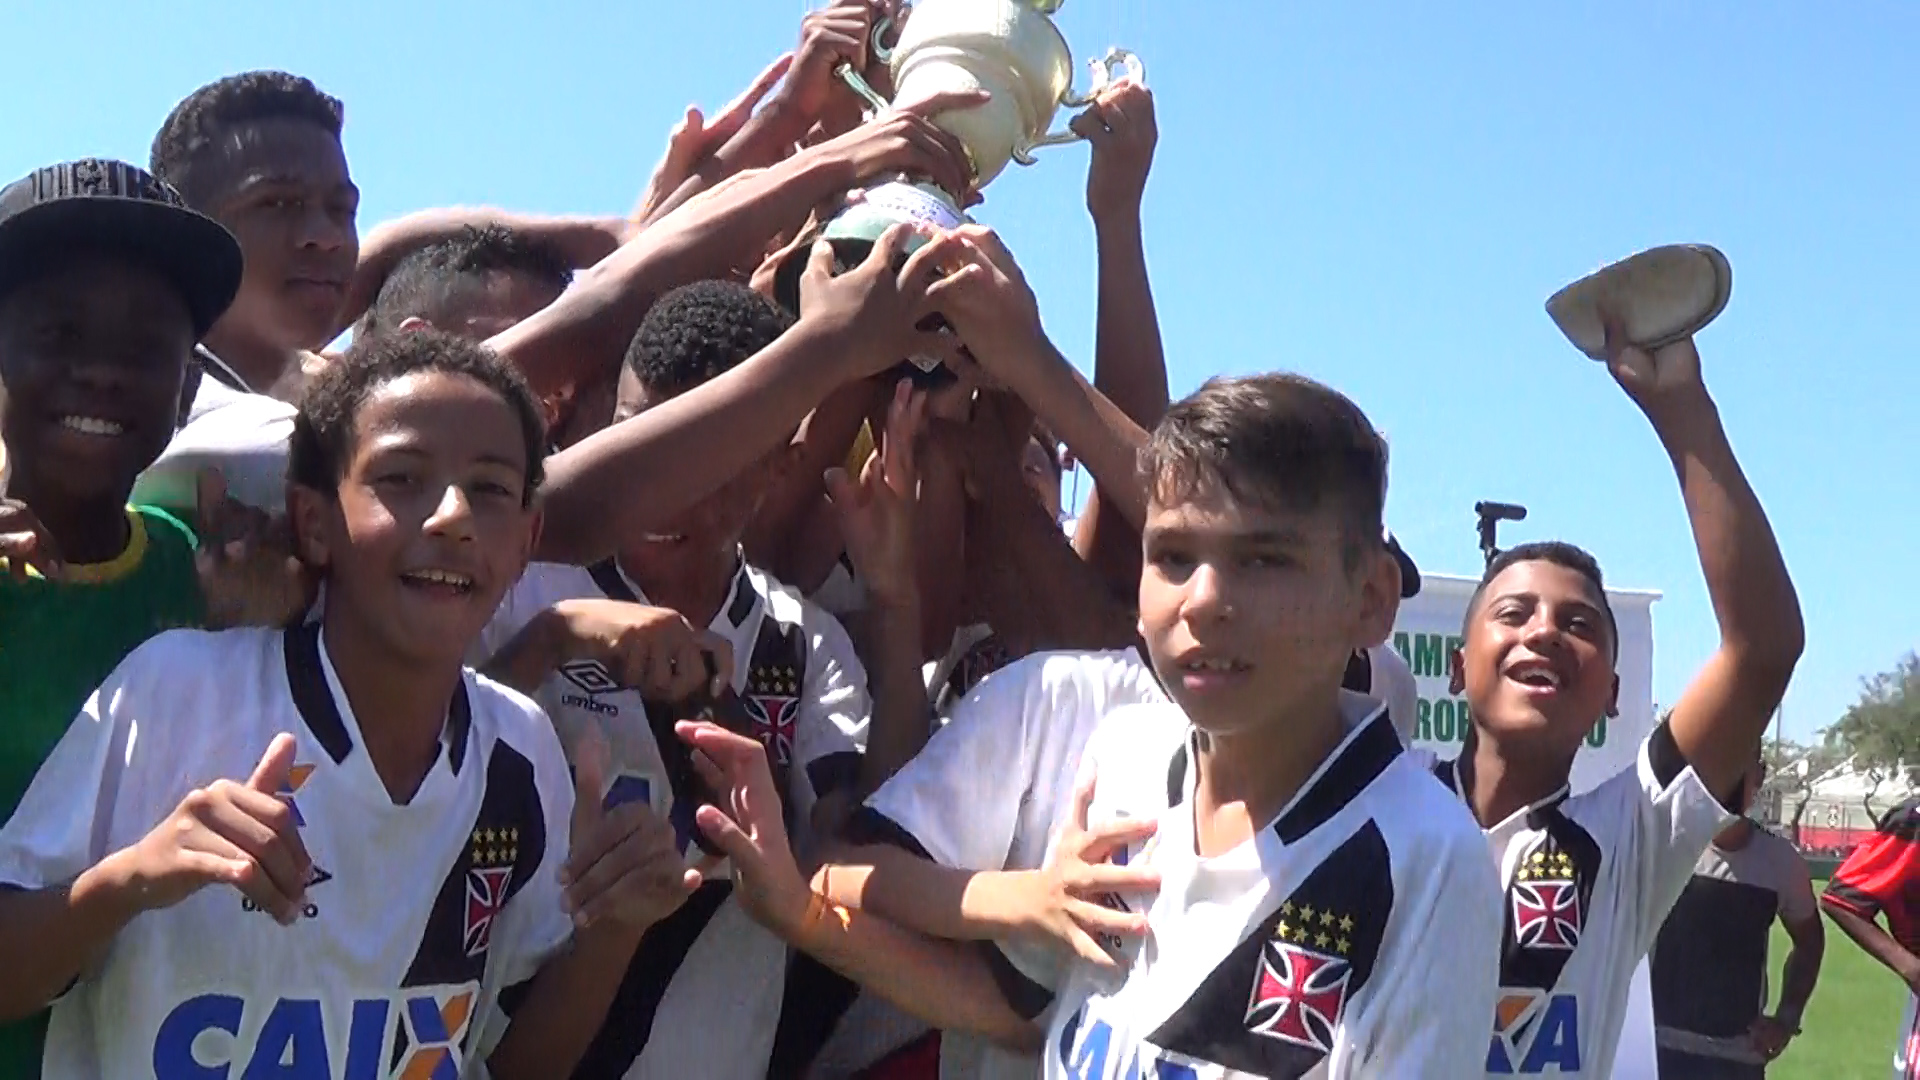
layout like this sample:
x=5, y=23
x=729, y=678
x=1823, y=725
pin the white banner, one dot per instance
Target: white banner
x=1428, y=631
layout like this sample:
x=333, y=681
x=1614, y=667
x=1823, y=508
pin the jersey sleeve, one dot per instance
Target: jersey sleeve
x=1438, y=1004
x=1874, y=877
x=958, y=801
x=835, y=708
x=1661, y=817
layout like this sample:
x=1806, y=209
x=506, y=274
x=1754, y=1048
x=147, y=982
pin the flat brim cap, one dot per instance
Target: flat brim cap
x=114, y=208
x=1409, y=573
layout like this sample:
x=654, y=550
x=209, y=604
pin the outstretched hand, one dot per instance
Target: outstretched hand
x=623, y=867
x=697, y=138
x=1074, y=902
x=249, y=573
x=876, y=512
x=750, y=827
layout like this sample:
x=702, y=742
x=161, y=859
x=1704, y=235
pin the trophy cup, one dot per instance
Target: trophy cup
x=1009, y=48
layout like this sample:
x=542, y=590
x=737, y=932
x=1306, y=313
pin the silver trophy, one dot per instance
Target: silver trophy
x=1009, y=48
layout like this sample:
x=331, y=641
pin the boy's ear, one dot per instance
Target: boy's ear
x=309, y=511
x=537, y=521
x=1379, y=599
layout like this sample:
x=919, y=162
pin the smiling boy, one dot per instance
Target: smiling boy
x=1590, y=877
x=106, y=283
x=328, y=849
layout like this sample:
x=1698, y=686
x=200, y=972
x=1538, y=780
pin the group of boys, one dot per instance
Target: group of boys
x=538, y=687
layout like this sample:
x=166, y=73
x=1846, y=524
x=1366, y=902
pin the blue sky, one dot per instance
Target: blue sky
x=1380, y=195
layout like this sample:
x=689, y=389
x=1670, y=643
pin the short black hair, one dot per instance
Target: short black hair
x=323, y=432
x=1559, y=553
x=1279, y=440
x=184, y=144
x=425, y=280
x=700, y=331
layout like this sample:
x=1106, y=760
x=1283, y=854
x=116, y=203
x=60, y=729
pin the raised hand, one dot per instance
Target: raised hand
x=1120, y=127
x=238, y=834
x=879, y=307
x=906, y=141
x=623, y=867
x=989, y=304
x=876, y=511
x=750, y=827
x=1071, y=903
x=25, y=542
x=695, y=138
x=650, y=649
x=249, y=572
x=812, y=93
x=1651, y=377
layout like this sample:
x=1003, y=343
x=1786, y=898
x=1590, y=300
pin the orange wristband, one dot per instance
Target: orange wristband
x=818, y=907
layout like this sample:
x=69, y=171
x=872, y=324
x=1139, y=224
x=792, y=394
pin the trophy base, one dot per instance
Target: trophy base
x=1661, y=295
x=852, y=234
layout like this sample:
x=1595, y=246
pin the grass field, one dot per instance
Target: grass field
x=1850, y=1023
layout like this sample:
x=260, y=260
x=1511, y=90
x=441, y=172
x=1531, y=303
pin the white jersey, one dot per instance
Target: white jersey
x=419, y=917
x=796, y=672
x=1589, y=880
x=987, y=790
x=1354, y=936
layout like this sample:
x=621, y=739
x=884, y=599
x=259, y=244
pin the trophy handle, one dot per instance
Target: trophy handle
x=858, y=82
x=1126, y=63
x=877, y=46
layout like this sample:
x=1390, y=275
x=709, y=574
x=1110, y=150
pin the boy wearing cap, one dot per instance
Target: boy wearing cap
x=107, y=282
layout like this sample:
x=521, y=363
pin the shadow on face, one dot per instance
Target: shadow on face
x=1252, y=612
x=1537, y=667
x=701, y=542
x=93, y=354
x=286, y=194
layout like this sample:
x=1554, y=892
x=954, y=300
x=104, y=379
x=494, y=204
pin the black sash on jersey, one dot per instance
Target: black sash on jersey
x=500, y=853
x=815, y=996
x=1334, y=921
x=1542, y=927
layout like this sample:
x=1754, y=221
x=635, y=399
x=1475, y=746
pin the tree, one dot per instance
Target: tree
x=1792, y=770
x=1882, y=729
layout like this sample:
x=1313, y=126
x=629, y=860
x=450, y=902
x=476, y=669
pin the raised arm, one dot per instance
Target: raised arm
x=940, y=982
x=1129, y=364
x=639, y=472
x=589, y=328
x=1719, y=720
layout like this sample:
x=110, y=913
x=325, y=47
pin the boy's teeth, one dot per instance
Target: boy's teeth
x=442, y=577
x=88, y=425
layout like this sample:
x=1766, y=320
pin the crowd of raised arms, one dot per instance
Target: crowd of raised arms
x=655, y=647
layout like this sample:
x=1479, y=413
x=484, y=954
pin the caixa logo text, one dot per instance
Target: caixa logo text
x=419, y=1033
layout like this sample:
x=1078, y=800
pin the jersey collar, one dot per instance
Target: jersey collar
x=310, y=678
x=1369, y=746
x=1449, y=774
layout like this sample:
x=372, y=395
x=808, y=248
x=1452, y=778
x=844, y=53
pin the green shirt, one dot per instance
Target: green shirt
x=59, y=640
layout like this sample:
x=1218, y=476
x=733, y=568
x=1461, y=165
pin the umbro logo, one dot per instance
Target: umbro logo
x=315, y=876
x=590, y=676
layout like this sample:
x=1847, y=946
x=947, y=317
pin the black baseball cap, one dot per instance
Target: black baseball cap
x=102, y=205
x=1409, y=573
